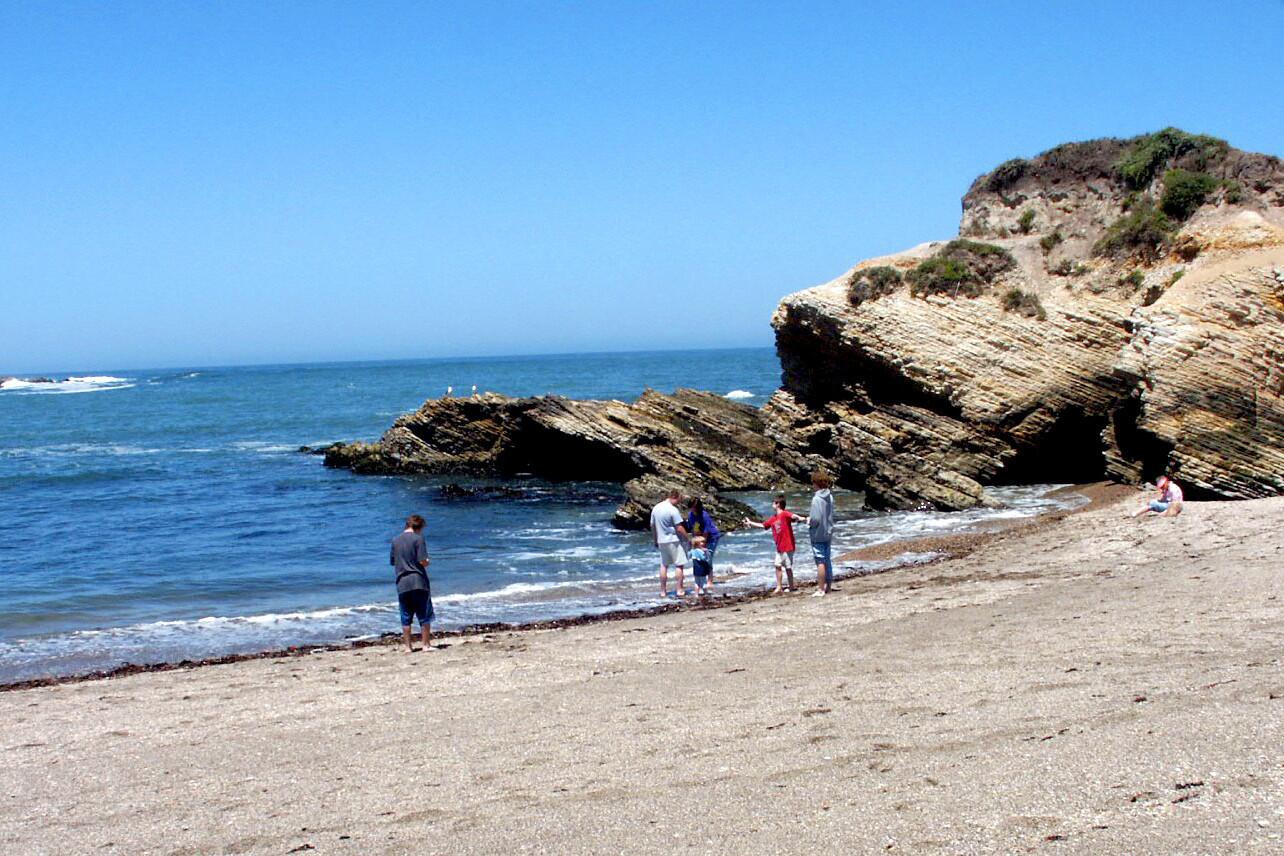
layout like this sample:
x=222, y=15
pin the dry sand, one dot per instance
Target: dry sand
x=1090, y=685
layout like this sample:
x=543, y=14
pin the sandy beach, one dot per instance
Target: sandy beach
x=1091, y=684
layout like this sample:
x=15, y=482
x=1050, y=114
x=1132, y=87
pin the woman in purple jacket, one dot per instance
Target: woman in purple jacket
x=700, y=522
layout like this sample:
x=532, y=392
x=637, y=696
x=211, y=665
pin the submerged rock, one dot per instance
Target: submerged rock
x=459, y=491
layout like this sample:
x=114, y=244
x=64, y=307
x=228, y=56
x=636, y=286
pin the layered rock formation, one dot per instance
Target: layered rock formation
x=698, y=442
x=1110, y=308
x=1120, y=340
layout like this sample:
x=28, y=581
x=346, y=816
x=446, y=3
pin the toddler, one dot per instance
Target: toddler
x=702, y=565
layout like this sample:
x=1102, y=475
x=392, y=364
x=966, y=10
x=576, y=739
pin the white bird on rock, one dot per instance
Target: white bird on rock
x=474, y=390
x=450, y=390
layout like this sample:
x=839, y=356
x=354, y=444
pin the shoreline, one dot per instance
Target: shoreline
x=1060, y=687
x=947, y=546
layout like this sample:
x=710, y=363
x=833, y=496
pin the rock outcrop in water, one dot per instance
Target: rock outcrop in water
x=1112, y=309
x=1115, y=308
x=697, y=441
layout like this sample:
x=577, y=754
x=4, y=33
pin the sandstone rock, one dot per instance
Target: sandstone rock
x=1207, y=360
x=641, y=495
x=1035, y=351
x=699, y=441
x=1136, y=368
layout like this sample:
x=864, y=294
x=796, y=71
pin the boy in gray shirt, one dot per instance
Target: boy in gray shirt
x=820, y=526
x=409, y=558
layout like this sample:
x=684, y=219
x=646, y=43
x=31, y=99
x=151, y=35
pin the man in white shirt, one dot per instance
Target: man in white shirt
x=669, y=531
x=1169, y=501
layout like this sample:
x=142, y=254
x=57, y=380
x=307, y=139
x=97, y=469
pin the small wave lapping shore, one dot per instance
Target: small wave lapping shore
x=1051, y=688
x=568, y=573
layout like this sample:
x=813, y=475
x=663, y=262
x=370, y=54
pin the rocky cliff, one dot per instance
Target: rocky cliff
x=1111, y=308
x=699, y=442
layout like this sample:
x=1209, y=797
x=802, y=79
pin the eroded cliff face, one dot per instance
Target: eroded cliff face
x=1112, y=309
x=1135, y=326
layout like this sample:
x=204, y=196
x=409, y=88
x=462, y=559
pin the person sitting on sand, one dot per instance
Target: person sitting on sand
x=669, y=532
x=781, y=525
x=1169, y=501
x=409, y=556
x=702, y=564
x=820, y=527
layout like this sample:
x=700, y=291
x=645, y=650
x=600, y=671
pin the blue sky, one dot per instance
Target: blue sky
x=196, y=183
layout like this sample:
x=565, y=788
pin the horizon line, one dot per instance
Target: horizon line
x=461, y=358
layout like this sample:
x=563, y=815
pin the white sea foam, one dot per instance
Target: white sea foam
x=581, y=578
x=97, y=450
x=583, y=551
x=263, y=447
x=739, y=393
x=85, y=383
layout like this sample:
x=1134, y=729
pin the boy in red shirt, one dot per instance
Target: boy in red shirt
x=781, y=525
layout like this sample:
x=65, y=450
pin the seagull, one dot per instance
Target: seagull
x=450, y=390
x=474, y=390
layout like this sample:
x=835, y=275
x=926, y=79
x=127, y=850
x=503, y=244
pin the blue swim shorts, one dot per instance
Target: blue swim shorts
x=1158, y=506
x=415, y=604
x=821, y=553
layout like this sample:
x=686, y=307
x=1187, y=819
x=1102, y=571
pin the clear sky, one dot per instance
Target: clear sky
x=216, y=183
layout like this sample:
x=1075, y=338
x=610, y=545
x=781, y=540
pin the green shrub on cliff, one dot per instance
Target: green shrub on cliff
x=1047, y=242
x=1185, y=191
x=1026, y=221
x=1025, y=303
x=1144, y=231
x=1232, y=191
x=872, y=283
x=1141, y=163
x=961, y=267
x=943, y=276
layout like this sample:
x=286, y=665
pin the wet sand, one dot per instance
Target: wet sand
x=1088, y=683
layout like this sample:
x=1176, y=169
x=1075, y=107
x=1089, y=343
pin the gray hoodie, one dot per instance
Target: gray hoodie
x=821, y=524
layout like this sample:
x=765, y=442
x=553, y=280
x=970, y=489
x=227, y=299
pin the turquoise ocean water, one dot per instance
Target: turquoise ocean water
x=152, y=515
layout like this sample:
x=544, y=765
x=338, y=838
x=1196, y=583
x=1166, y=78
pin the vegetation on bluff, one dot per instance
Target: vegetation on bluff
x=1006, y=174
x=1024, y=303
x=1185, y=191
x=1026, y=221
x=872, y=283
x=961, y=267
x=1143, y=230
x=1151, y=152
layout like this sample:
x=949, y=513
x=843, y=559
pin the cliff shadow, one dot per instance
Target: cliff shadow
x=1070, y=451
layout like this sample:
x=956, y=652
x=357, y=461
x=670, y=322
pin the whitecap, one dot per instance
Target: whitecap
x=83, y=383
x=263, y=447
x=739, y=393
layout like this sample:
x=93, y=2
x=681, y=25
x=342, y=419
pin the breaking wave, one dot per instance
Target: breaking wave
x=86, y=383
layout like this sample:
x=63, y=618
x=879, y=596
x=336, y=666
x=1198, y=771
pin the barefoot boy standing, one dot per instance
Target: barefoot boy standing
x=781, y=525
x=409, y=556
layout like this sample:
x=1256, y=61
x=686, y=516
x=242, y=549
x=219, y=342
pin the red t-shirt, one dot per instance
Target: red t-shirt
x=782, y=529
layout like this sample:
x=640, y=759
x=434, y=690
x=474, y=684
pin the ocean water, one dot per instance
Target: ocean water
x=151, y=516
